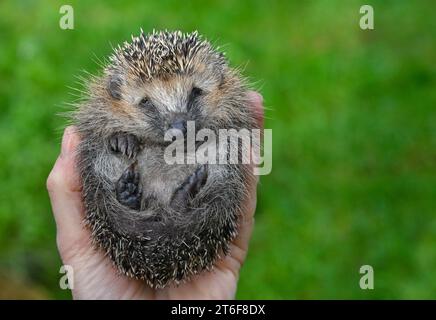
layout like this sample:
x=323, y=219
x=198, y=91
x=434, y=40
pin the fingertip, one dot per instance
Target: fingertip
x=69, y=141
x=256, y=100
x=255, y=97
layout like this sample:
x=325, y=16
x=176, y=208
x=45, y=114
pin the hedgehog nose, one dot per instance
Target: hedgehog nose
x=179, y=124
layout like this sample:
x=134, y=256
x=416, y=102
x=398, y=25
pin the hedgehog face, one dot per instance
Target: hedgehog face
x=160, y=81
x=159, y=105
x=159, y=222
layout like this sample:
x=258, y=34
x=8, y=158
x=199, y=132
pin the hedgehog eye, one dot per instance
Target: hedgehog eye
x=145, y=103
x=196, y=92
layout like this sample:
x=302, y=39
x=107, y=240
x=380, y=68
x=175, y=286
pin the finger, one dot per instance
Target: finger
x=249, y=207
x=256, y=101
x=246, y=222
x=239, y=247
x=64, y=189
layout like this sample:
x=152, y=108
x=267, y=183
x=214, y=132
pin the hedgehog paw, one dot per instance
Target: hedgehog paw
x=189, y=188
x=124, y=143
x=129, y=189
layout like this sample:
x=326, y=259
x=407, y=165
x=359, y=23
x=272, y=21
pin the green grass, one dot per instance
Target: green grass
x=354, y=135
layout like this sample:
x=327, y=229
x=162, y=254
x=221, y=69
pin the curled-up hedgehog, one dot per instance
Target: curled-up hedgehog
x=161, y=222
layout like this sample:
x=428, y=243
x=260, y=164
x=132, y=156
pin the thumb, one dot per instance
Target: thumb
x=64, y=188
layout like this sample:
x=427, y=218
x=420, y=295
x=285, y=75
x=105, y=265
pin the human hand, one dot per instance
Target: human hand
x=94, y=275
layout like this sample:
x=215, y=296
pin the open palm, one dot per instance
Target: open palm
x=95, y=277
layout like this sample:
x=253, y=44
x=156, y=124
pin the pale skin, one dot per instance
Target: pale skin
x=94, y=275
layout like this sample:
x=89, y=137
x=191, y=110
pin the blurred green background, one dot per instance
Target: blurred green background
x=354, y=136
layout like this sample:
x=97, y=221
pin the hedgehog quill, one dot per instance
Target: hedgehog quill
x=158, y=222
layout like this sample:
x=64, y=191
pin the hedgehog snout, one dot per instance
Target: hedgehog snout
x=178, y=121
x=179, y=124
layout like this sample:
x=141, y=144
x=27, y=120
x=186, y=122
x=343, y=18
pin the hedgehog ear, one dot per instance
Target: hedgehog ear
x=114, y=86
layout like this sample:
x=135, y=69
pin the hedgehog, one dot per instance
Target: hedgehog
x=159, y=222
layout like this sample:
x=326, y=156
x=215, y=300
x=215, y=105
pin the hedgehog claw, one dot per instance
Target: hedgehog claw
x=189, y=188
x=129, y=189
x=124, y=143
